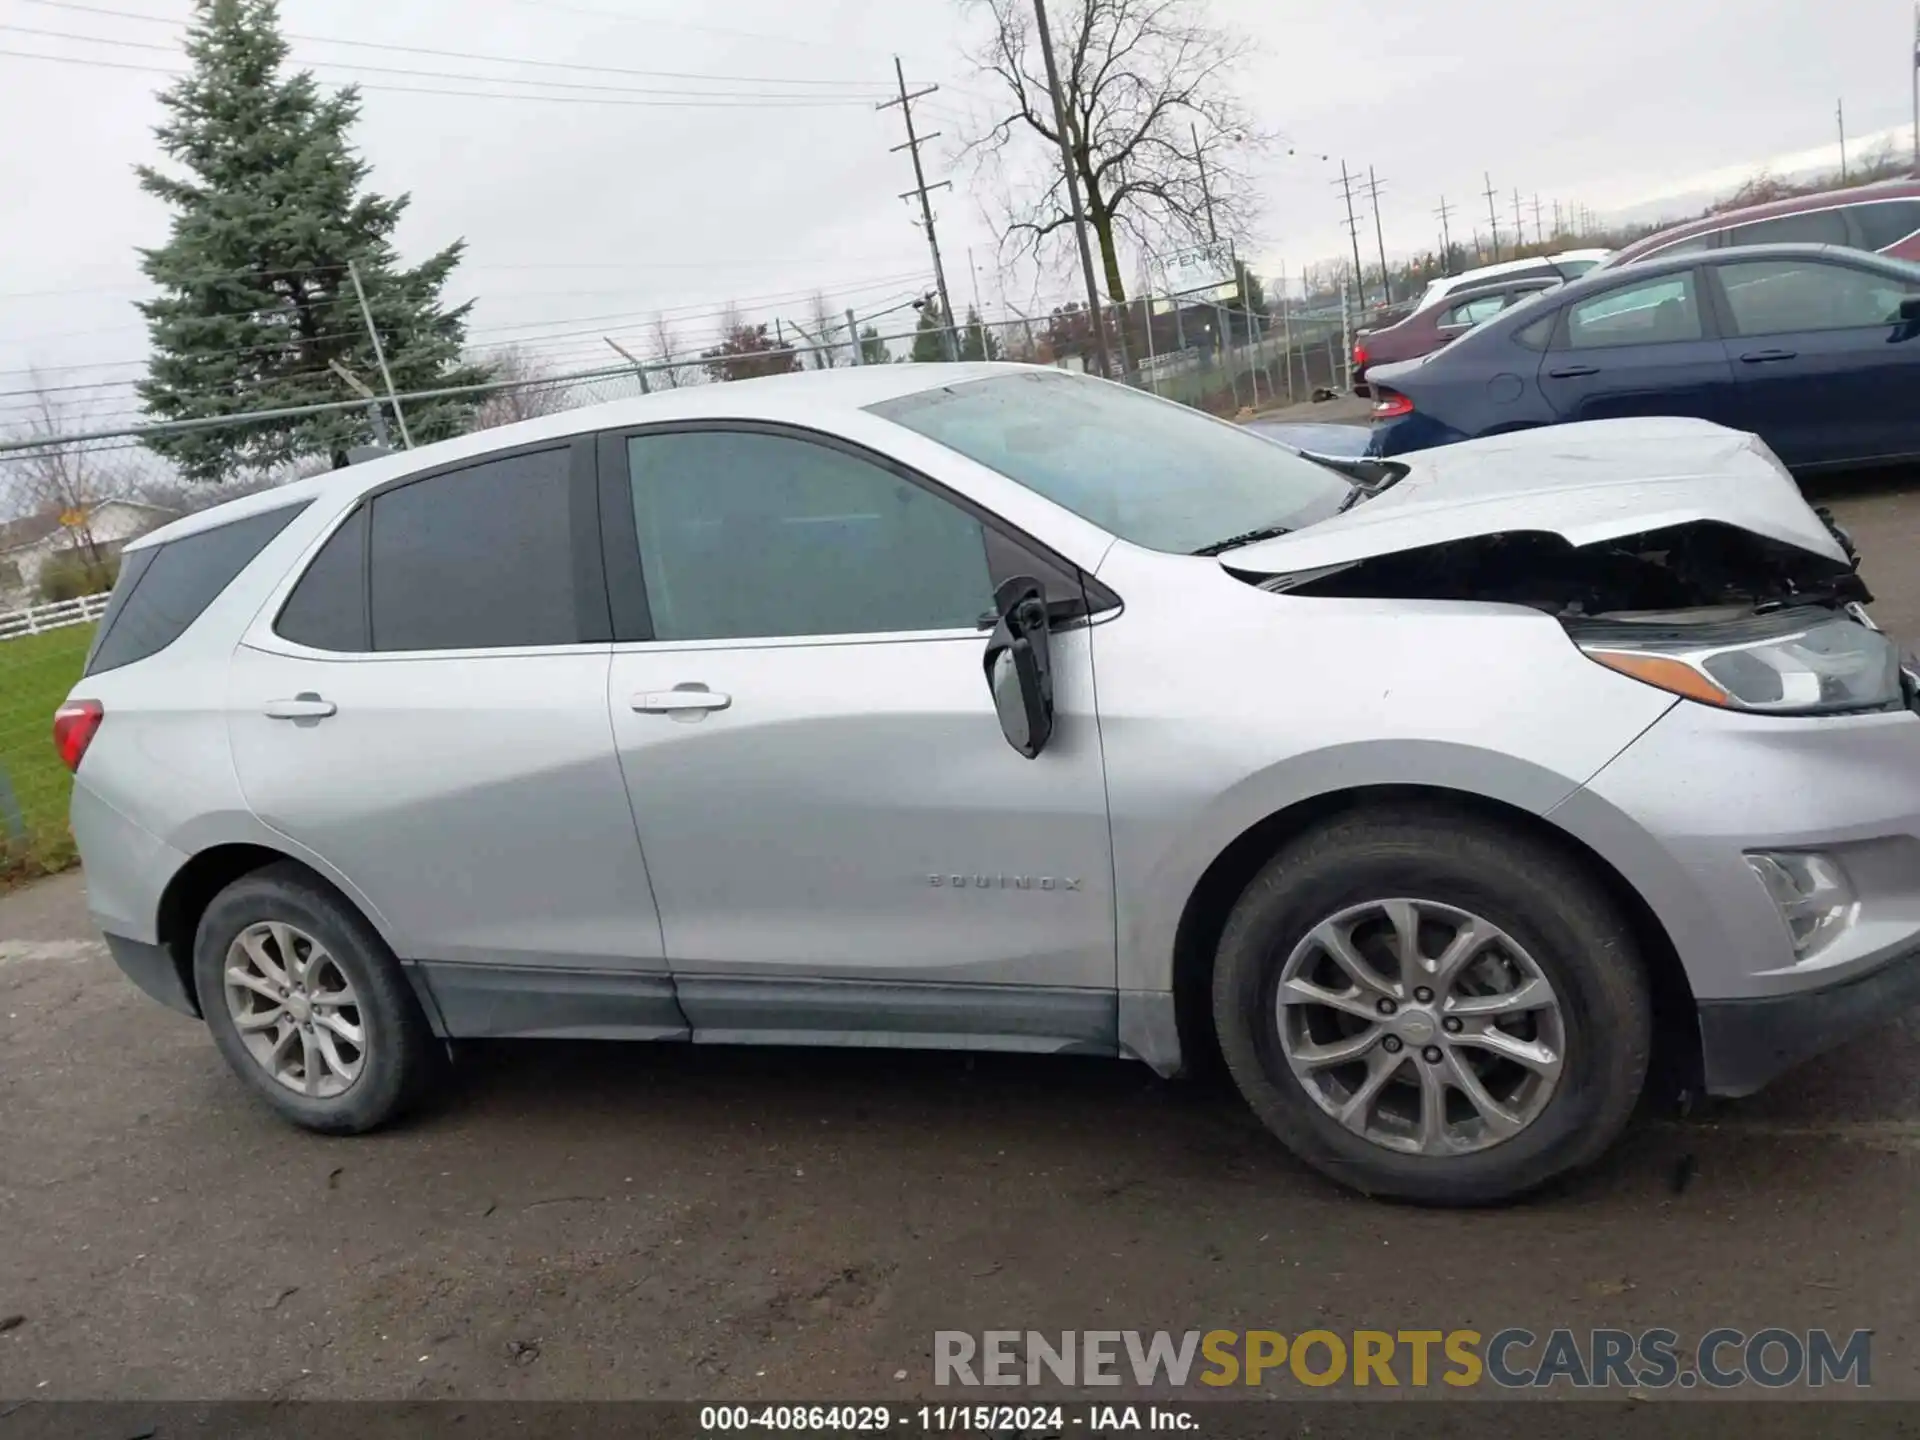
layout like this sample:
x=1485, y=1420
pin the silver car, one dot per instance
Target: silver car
x=985, y=707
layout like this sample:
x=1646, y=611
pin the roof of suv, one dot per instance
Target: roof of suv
x=1896, y=189
x=771, y=397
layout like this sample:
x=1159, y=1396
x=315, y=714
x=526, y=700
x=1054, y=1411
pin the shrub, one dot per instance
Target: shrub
x=71, y=574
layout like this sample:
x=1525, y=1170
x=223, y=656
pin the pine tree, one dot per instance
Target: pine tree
x=976, y=341
x=873, y=349
x=256, y=300
x=929, y=337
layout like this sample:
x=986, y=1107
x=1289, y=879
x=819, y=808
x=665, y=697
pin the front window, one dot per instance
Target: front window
x=1152, y=472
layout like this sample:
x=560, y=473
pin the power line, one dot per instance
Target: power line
x=407, y=71
x=462, y=54
x=730, y=101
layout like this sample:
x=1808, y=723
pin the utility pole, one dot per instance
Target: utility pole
x=1559, y=227
x=1353, y=233
x=1200, y=159
x=1519, y=226
x=1379, y=236
x=1445, y=212
x=379, y=354
x=1538, y=233
x=1840, y=114
x=1493, y=215
x=1073, y=186
x=1916, y=89
x=920, y=188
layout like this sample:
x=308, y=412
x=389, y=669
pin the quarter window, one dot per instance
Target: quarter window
x=474, y=559
x=1776, y=297
x=1663, y=311
x=1810, y=227
x=328, y=608
x=748, y=535
x=1885, y=223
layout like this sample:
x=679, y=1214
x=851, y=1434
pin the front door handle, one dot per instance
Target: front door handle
x=304, y=706
x=681, y=700
x=1574, y=372
x=1761, y=357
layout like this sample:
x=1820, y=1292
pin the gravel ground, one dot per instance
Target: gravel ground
x=597, y=1221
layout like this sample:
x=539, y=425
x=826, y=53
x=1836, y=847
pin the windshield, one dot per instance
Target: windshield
x=1150, y=471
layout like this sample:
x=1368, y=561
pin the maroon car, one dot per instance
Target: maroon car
x=1883, y=217
x=1453, y=314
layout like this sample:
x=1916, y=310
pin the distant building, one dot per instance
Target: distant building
x=29, y=543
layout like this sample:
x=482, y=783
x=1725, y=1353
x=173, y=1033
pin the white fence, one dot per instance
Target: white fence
x=15, y=623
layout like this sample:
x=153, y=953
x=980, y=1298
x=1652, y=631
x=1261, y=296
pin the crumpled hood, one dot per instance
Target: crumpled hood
x=1587, y=483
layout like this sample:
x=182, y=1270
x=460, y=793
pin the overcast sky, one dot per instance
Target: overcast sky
x=586, y=215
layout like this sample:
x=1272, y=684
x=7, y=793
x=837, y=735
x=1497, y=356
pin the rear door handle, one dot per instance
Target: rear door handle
x=1761, y=357
x=305, y=706
x=1574, y=372
x=680, y=700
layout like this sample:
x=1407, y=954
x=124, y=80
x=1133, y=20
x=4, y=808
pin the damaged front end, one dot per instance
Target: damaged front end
x=1704, y=610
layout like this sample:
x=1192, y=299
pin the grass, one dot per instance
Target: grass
x=36, y=672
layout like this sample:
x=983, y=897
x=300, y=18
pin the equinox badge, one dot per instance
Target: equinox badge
x=1004, y=882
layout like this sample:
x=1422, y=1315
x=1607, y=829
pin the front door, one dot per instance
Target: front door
x=1639, y=349
x=843, y=845
x=1828, y=371
x=426, y=716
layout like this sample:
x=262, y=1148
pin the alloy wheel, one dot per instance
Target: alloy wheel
x=295, y=1009
x=1422, y=1027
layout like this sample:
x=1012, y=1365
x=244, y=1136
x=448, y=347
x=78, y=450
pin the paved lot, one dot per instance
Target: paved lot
x=603, y=1221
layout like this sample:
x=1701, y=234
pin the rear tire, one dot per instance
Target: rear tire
x=1525, y=915
x=308, y=1005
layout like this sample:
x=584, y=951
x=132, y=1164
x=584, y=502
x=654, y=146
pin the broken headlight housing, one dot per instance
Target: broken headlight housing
x=1793, y=662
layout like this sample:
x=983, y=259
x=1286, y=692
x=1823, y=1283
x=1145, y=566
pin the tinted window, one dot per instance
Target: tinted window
x=1539, y=334
x=1772, y=297
x=1150, y=471
x=1814, y=227
x=1885, y=223
x=328, y=608
x=1472, y=312
x=164, y=589
x=747, y=535
x=476, y=559
x=1691, y=246
x=1654, y=312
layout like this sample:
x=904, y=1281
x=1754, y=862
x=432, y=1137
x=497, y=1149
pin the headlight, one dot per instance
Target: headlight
x=1792, y=663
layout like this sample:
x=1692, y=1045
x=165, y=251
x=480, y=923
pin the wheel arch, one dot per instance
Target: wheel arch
x=1203, y=917
x=194, y=886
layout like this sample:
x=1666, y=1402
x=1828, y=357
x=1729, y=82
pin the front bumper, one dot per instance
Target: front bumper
x=1746, y=1043
x=1678, y=812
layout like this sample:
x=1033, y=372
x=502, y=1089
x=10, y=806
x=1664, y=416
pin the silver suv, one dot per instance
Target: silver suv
x=984, y=707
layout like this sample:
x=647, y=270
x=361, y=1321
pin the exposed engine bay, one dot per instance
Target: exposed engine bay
x=1702, y=566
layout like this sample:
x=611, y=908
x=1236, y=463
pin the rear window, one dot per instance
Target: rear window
x=163, y=589
x=1810, y=227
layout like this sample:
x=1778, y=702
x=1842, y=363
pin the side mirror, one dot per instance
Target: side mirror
x=1019, y=665
x=1910, y=308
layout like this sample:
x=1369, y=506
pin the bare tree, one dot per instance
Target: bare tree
x=65, y=482
x=532, y=396
x=825, y=328
x=666, y=352
x=1159, y=139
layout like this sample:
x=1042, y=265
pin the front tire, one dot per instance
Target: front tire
x=1428, y=1006
x=308, y=1005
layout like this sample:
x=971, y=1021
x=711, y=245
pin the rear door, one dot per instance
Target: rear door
x=426, y=712
x=1828, y=371
x=1644, y=347
x=844, y=846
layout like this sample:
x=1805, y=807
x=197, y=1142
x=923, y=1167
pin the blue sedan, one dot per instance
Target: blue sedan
x=1814, y=348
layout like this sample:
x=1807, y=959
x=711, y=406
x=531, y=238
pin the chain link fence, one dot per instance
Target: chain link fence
x=71, y=499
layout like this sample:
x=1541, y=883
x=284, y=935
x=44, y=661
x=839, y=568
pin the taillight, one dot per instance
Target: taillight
x=74, y=725
x=1359, y=357
x=1390, y=406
